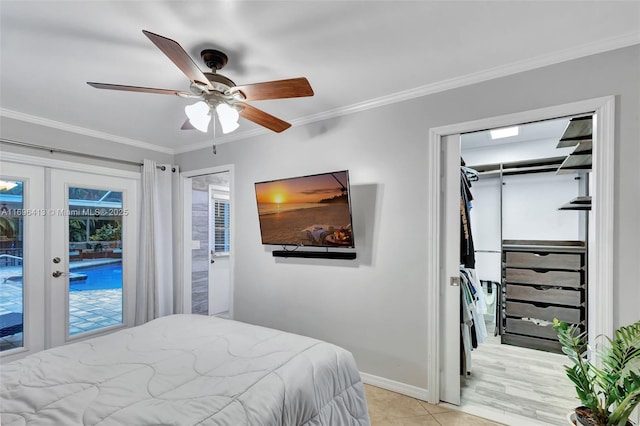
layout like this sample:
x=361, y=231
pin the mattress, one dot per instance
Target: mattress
x=186, y=370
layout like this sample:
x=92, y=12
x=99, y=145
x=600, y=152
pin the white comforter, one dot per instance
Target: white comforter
x=186, y=370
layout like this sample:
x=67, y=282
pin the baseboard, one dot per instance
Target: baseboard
x=399, y=387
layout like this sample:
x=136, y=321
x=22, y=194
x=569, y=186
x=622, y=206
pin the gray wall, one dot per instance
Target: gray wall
x=59, y=139
x=376, y=306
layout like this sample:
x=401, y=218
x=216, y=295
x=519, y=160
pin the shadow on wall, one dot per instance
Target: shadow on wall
x=364, y=199
x=322, y=127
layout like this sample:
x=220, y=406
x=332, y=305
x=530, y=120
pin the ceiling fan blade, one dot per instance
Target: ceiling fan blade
x=262, y=118
x=279, y=89
x=139, y=89
x=187, y=125
x=178, y=56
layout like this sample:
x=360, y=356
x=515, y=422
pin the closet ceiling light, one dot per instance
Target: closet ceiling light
x=505, y=132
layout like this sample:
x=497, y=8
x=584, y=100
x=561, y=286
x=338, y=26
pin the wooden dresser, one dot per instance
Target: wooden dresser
x=542, y=280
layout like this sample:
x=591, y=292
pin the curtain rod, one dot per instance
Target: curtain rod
x=80, y=154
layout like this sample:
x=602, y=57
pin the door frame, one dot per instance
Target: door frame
x=600, y=227
x=185, y=179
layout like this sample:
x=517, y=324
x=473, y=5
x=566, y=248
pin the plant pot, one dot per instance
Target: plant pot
x=572, y=420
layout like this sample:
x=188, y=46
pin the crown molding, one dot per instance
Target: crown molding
x=481, y=76
x=588, y=49
x=82, y=131
x=601, y=46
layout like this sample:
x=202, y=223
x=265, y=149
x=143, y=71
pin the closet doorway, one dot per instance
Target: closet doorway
x=527, y=262
x=444, y=235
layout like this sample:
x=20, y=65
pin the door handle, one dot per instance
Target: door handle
x=57, y=274
x=213, y=260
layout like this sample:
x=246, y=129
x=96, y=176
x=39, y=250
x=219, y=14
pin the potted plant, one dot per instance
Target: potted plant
x=610, y=392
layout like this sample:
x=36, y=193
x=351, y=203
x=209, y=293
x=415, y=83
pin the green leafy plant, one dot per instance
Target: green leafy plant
x=107, y=232
x=77, y=231
x=608, y=393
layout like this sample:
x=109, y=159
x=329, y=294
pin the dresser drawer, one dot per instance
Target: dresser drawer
x=532, y=342
x=553, y=278
x=548, y=313
x=519, y=326
x=533, y=260
x=544, y=295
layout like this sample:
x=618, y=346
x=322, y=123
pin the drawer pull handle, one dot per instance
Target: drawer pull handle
x=540, y=271
x=538, y=322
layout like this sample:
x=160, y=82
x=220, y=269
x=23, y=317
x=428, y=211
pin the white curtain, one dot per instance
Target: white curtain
x=157, y=293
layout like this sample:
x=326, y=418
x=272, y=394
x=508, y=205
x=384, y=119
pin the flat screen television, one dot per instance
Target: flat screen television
x=312, y=210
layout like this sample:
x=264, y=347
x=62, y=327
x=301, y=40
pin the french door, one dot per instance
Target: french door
x=67, y=268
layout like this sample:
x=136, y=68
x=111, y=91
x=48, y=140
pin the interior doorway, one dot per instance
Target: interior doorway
x=521, y=220
x=444, y=295
x=208, y=272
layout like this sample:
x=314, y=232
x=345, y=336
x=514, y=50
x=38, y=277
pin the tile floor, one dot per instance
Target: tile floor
x=388, y=408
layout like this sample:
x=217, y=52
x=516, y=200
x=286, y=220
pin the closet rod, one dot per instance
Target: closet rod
x=79, y=154
x=520, y=170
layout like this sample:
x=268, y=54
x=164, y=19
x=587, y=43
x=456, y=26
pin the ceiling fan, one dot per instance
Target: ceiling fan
x=217, y=92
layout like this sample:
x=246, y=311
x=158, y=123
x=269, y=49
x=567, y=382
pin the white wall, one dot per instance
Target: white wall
x=376, y=306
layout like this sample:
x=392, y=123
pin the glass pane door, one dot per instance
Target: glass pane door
x=22, y=218
x=12, y=213
x=95, y=259
x=93, y=249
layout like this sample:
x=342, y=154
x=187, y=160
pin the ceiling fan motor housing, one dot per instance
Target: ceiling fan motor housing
x=214, y=59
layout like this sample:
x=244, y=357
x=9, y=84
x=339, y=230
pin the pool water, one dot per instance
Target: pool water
x=104, y=277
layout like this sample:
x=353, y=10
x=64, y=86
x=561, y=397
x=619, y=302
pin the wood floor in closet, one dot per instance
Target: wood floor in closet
x=516, y=385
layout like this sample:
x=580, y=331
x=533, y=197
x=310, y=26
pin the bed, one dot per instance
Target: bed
x=186, y=370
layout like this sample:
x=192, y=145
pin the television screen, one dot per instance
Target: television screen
x=306, y=211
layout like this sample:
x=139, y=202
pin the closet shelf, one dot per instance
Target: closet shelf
x=578, y=203
x=579, y=159
x=579, y=129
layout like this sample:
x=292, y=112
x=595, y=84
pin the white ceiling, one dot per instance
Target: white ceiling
x=548, y=130
x=354, y=53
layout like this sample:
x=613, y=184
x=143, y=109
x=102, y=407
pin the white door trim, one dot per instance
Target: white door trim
x=601, y=253
x=186, y=221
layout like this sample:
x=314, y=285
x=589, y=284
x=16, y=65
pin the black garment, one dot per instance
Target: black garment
x=467, y=251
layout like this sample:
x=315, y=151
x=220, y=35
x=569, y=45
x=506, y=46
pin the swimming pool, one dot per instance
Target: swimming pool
x=103, y=277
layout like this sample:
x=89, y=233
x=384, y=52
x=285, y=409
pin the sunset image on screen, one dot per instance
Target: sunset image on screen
x=310, y=210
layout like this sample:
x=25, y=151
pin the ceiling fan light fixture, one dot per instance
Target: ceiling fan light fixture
x=228, y=117
x=198, y=115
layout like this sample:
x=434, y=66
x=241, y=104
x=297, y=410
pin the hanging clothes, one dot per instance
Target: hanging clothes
x=467, y=251
x=477, y=302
